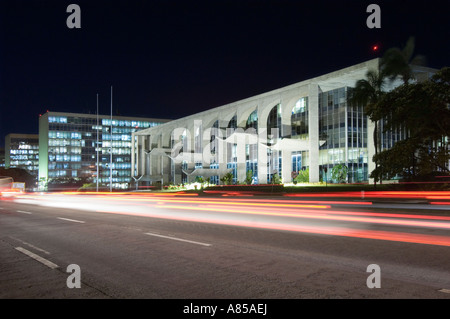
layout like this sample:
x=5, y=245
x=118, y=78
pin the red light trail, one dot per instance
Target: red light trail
x=295, y=215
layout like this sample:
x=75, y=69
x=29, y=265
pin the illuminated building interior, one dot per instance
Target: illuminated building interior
x=68, y=146
x=22, y=151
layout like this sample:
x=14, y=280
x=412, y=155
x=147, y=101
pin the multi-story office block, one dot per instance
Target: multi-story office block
x=306, y=125
x=22, y=151
x=2, y=157
x=74, y=145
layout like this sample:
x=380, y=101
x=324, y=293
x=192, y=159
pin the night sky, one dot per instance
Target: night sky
x=169, y=59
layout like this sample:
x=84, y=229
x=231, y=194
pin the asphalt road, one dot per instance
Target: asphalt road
x=183, y=248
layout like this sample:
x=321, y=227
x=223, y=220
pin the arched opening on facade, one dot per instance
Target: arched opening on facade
x=251, y=150
x=252, y=120
x=299, y=119
x=299, y=130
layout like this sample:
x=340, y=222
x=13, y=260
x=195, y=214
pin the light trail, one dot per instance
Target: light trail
x=315, y=216
x=267, y=213
x=221, y=202
x=379, y=194
x=318, y=230
x=268, y=204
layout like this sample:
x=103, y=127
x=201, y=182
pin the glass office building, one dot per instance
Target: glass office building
x=71, y=145
x=22, y=151
x=2, y=157
x=344, y=130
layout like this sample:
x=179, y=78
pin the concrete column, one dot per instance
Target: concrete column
x=146, y=142
x=285, y=130
x=197, y=137
x=313, y=131
x=190, y=149
x=262, y=155
x=370, y=148
x=142, y=155
x=178, y=173
x=286, y=164
x=241, y=167
x=133, y=155
x=221, y=153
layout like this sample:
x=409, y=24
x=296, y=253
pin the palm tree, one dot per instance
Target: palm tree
x=397, y=62
x=367, y=92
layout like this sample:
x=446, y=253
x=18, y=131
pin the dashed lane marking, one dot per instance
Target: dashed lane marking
x=72, y=220
x=31, y=245
x=179, y=239
x=42, y=260
x=24, y=212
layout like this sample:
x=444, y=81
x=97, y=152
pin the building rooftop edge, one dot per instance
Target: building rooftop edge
x=374, y=63
x=105, y=116
x=22, y=135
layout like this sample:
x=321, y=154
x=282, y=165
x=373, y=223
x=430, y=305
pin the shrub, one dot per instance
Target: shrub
x=302, y=176
x=339, y=173
x=227, y=179
x=249, y=177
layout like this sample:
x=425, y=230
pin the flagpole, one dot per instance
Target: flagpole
x=111, y=149
x=97, y=144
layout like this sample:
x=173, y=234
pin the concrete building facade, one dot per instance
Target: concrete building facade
x=306, y=125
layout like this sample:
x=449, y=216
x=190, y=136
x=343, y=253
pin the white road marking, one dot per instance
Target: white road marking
x=24, y=212
x=179, y=239
x=447, y=291
x=72, y=220
x=44, y=261
x=32, y=246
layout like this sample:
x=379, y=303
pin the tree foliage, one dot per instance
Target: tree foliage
x=339, y=173
x=227, y=179
x=67, y=183
x=367, y=93
x=422, y=109
x=397, y=62
x=249, y=177
x=302, y=176
x=276, y=179
x=19, y=175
